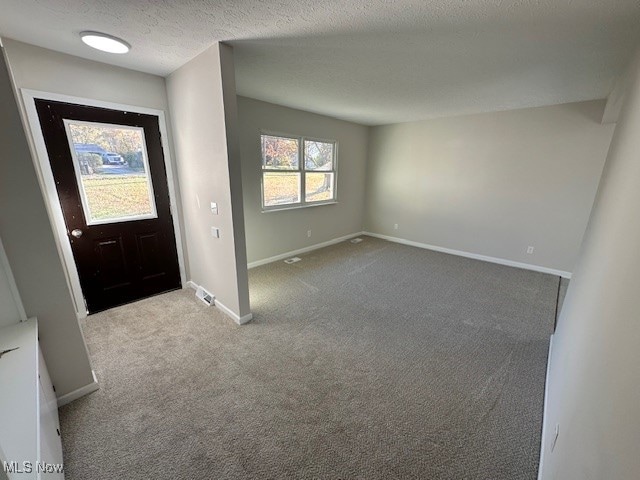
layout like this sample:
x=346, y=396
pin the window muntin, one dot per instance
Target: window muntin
x=288, y=182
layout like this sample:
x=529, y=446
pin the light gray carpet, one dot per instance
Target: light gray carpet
x=368, y=361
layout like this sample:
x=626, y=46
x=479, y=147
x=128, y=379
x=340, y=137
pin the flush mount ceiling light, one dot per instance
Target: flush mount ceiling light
x=104, y=42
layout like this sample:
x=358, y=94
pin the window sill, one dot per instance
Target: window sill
x=297, y=207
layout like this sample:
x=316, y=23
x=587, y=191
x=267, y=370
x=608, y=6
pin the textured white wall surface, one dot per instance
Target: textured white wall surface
x=594, y=379
x=491, y=184
x=369, y=61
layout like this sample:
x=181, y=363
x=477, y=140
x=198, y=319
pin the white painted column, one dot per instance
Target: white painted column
x=202, y=100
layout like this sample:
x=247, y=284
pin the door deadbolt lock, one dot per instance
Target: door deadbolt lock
x=76, y=233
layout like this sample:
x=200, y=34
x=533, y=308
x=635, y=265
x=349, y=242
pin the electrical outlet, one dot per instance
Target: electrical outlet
x=214, y=208
x=309, y=233
x=530, y=250
x=395, y=226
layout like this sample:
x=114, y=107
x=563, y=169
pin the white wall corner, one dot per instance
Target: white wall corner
x=13, y=288
x=236, y=318
x=80, y=392
x=545, y=412
x=616, y=98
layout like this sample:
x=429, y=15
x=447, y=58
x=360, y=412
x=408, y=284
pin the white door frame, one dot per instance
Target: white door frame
x=48, y=185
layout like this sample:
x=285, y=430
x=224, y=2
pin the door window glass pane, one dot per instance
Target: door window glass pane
x=112, y=171
x=318, y=187
x=281, y=188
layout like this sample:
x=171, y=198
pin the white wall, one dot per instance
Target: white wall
x=594, y=372
x=9, y=313
x=203, y=105
x=31, y=250
x=40, y=69
x=491, y=184
x=45, y=70
x=274, y=233
x=11, y=309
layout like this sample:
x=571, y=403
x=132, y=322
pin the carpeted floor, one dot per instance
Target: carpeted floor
x=367, y=361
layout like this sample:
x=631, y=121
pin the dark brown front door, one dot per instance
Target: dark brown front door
x=110, y=176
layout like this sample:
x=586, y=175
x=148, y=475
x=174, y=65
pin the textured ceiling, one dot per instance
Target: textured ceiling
x=373, y=62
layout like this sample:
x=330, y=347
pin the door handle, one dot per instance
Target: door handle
x=76, y=233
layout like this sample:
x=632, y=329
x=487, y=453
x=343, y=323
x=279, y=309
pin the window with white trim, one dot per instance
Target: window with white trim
x=297, y=171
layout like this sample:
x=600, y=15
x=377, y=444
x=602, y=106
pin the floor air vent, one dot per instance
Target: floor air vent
x=206, y=297
x=356, y=240
x=291, y=260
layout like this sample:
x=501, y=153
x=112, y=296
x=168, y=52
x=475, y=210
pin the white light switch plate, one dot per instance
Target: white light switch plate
x=215, y=232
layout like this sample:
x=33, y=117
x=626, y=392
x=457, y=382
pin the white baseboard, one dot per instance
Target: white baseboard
x=239, y=320
x=476, y=256
x=236, y=318
x=544, y=412
x=80, y=392
x=310, y=248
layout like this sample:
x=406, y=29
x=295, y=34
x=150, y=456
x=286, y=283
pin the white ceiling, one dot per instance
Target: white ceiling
x=374, y=62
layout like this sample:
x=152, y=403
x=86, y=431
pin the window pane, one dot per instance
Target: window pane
x=112, y=171
x=279, y=153
x=318, y=155
x=281, y=188
x=318, y=187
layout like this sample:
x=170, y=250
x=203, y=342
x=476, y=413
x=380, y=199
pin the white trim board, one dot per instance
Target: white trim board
x=239, y=320
x=544, y=411
x=310, y=248
x=475, y=256
x=226, y=310
x=80, y=392
x=48, y=187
